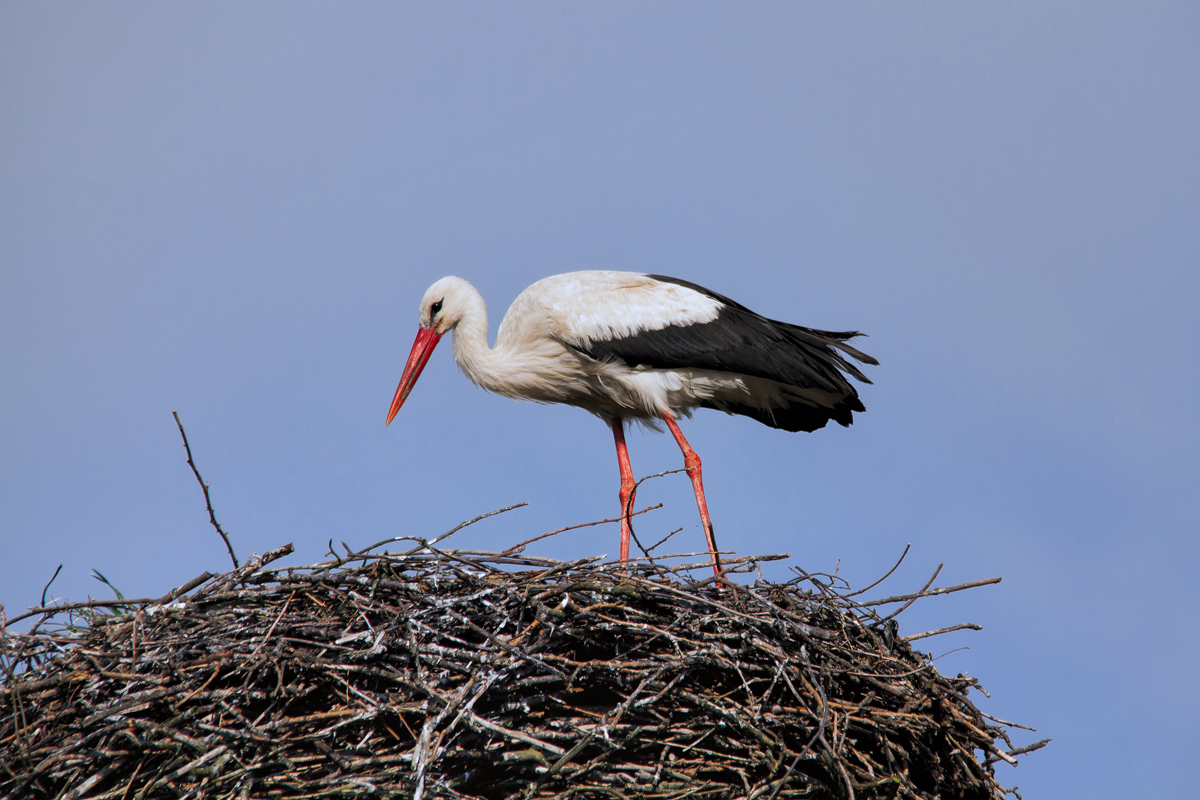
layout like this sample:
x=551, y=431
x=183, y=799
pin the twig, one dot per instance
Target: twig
x=470, y=522
x=663, y=540
x=920, y=594
x=966, y=626
x=931, y=593
x=271, y=629
x=1008, y=724
x=886, y=575
x=46, y=588
x=212, y=517
x=820, y=726
x=517, y=547
x=629, y=517
x=55, y=609
x=360, y=553
x=1020, y=751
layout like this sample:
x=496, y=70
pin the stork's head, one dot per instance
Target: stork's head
x=444, y=304
x=442, y=308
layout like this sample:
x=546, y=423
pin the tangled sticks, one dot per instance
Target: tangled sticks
x=455, y=674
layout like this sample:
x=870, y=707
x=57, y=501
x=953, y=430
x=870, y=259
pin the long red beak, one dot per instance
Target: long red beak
x=427, y=339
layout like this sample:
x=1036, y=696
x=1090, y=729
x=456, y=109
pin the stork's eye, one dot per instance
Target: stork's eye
x=434, y=309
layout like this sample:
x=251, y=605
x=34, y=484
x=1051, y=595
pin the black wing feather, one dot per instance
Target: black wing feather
x=740, y=341
x=820, y=340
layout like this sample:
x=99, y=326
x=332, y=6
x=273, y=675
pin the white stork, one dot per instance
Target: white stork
x=624, y=345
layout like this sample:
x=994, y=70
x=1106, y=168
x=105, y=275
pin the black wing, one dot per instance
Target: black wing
x=740, y=341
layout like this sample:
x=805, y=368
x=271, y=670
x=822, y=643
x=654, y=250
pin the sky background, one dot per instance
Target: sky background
x=232, y=210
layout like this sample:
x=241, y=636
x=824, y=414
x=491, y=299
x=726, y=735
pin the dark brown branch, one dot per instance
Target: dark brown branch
x=137, y=601
x=46, y=588
x=212, y=517
x=1020, y=751
x=887, y=575
x=516, y=548
x=966, y=626
x=422, y=542
x=920, y=594
x=628, y=516
x=900, y=598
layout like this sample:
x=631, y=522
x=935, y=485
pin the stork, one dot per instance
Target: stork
x=628, y=346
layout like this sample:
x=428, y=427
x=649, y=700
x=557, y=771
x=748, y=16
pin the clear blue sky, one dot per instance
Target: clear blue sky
x=231, y=210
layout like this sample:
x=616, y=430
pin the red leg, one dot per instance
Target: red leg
x=627, y=484
x=691, y=462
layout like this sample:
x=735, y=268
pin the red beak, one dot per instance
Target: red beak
x=427, y=339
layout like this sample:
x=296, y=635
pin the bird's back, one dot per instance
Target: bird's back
x=578, y=308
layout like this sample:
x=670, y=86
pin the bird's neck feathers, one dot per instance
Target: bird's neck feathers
x=471, y=351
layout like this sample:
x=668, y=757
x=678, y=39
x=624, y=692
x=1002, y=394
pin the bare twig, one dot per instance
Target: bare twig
x=966, y=626
x=212, y=516
x=662, y=541
x=91, y=604
x=900, y=598
x=46, y=588
x=627, y=512
x=422, y=542
x=516, y=548
x=271, y=629
x=1019, y=751
x=919, y=594
x=886, y=575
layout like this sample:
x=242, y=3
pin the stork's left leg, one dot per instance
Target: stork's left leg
x=691, y=463
x=627, y=486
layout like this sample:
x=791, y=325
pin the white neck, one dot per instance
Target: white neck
x=471, y=352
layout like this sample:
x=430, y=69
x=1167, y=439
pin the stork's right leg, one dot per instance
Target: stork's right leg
x=627, y=484
x=691, y=463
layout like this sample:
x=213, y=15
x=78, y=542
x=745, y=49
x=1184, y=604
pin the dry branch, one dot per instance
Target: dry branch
x=212, y=515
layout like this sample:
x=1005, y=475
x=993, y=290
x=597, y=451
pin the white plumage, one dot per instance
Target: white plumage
x=629, y=346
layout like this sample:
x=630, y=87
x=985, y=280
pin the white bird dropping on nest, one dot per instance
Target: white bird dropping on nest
x=627, y=346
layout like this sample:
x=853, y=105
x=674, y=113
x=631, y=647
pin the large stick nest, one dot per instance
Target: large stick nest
x=485, y=675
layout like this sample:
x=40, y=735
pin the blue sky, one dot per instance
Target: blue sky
x=232, y=210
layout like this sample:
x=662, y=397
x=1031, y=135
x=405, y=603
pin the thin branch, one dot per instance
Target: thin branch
x=663, y=540
x=470, y=522
x=422, y=542
x=1020, y=751
x=517, y=547
x=966, y=626
x=46, y=588
x=884, y=578
x=167, y=598
x=271, y=629
x=629, y=517
x=212, y=517
x=900, y=598
x=1007, y=723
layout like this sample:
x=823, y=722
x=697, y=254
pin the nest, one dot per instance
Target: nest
x=456, y=674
